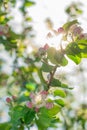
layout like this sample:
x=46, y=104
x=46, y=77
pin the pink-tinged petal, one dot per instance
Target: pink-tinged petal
x=14, y=97
x=46, y=46
x=60, y=30
x=76, y=30
x=32, y=95
x=44, y=92
x=83, y=36
x=49, y=105
x=37, y=109
x=1, y=33
x=29, y=104
x=8, y=100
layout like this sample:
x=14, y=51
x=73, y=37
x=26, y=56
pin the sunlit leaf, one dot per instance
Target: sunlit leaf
x=51, y=52
x=59, y=92
x=55, y=110
x=73, y=52
x=31, y=86
x=60, y=58
x=60, y=102
x=67, y=25
x=29, y=3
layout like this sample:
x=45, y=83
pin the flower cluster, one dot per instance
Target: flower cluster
x=77, y=32
x=72, y=33
x=10, y=99
x=39, y=100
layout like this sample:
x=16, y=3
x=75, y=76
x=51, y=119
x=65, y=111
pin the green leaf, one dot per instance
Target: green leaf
x=60, y=102
x=83, y=46
x=55, y=110
x=29, y=3
x=31, y=86
x=59, y=92
x=67, y=25
x=51, y=52
x=43, y=121
x=73, y=52
x=55, y=82
x=82, y=42
x=29, y=116
x=73, y=49
x=74, y=58
x=5, y=126
x=16, y=115
x=46, y=67
x=60, y=58
x=56, y=57
x=58, y=83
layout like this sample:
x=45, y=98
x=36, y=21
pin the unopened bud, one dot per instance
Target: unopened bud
x=37, y=109
x=46, y=46
x=14, y=97
x=49, y=105
x=60, y=30
x=29, y=104
x=44, y=92
x=8, y=100
x=32, y=95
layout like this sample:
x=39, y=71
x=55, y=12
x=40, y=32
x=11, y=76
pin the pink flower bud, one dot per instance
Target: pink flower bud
x=46, y=46
x=83, y=36
x=1, y=33
x=49, y=105
x=14, y=97
x=37, y=109
x=76, y=30
x=32, y=95
x=44, y=92
x=8, y=100
x=60, y=30
x=29, y=104
x=41, y=51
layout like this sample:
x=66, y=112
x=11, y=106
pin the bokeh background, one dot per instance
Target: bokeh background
x=34, y=23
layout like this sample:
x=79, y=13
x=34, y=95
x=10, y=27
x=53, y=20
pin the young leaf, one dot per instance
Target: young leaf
x=83, y=46
x=46, y=67
x=73, y=52
x=55, y=110
x=60, y=102
x=59, y=92
x=60, y=58
x=29, y=3
x=51, y=52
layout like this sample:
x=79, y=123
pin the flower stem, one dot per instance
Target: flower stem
x=51, y=77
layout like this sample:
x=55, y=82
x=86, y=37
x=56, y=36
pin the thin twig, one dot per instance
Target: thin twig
x=51, y=77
